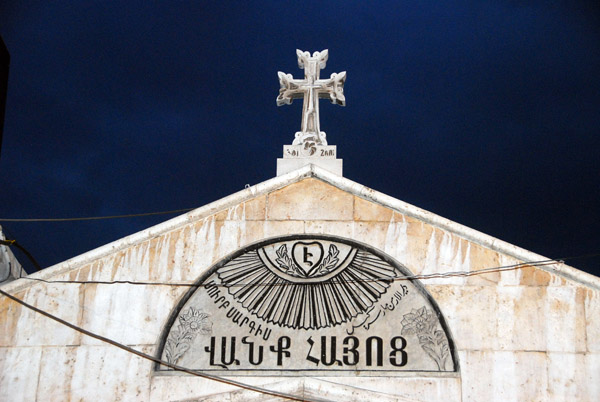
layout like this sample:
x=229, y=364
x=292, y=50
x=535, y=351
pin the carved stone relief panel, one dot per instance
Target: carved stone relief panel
x=308, y=305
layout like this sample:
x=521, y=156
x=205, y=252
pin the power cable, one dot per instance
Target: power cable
x=24, y=250
x=217, y=378
x=404, y=278
x=93, y=218
x=157, y=360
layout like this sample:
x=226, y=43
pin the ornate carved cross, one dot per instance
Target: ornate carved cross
x=311, y=88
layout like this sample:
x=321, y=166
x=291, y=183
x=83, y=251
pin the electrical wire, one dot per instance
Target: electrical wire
x=157, y=360
x=24, y=250
x=265, y=284
x=403, y=278
x=218, y=378
x=93, y=218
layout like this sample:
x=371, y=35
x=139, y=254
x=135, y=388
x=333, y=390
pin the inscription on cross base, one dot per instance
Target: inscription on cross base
x=311, y=88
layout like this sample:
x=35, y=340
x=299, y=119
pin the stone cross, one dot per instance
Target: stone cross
x=311, y=88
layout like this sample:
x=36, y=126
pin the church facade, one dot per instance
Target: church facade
x=306, y=286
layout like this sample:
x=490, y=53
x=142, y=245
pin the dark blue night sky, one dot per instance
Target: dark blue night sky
x=484, y=112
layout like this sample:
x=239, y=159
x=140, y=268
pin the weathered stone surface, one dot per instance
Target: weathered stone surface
x=540, y=318
x=310, y=199
x=118, y=374
x=128, y=314
x=590, y=388
x=530, y=333
x=504, y=376
x=182, y=388
x=409, y=388
x=23, y=327
x=373, y=233
x=281, y=228
x=19, y=373
x=445, y=254
x=56, y=372
x=568, y=377
x=369, y=211
x=471, y=312
x=343, y=228
x=591, y=304
x=316, y=389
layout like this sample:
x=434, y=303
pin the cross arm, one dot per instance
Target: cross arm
x=289, y=89
x=333, y=88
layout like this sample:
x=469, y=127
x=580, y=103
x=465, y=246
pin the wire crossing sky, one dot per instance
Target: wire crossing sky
x=486, y=113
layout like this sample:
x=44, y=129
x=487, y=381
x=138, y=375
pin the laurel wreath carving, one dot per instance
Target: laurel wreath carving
x=288, y=265
x=330, y=261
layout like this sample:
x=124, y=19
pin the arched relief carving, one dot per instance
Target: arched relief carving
x=308, y=305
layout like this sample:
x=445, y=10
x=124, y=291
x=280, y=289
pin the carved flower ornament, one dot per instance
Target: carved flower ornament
x=195, y=321
x=422, y=323
x=418, y=321
x=300, y=286
x=179, y=341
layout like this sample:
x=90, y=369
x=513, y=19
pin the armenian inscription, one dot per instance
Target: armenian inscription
x=308, y=304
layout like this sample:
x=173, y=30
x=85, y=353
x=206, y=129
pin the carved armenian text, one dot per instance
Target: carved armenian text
x=308, y=304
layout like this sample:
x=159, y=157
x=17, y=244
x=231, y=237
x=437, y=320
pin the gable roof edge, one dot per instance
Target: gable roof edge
x=558, y=268
x=161, y=228
x=278, y=182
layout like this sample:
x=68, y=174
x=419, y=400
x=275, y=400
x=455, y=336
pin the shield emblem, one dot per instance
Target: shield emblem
x=307, y=256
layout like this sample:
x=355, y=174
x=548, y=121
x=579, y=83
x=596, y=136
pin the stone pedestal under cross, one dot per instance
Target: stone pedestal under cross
x=310, y=144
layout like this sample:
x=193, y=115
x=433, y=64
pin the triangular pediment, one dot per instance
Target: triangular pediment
x=312, y=194
x=134, y=291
